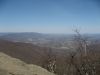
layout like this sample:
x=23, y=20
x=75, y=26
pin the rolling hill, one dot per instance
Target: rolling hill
x=47, y=40
x=28, y=52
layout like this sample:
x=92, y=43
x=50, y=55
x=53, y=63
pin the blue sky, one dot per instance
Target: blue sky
x=50, y=16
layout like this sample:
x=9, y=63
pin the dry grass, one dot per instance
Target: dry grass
x=13, y=66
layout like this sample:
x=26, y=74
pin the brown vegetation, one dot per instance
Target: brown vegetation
x=82, y=58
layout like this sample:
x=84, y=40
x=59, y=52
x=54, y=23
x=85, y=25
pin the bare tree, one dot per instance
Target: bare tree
x=50, y=61
x=80, y=60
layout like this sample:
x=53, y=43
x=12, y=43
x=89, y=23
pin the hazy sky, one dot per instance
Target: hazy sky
x=50, y=16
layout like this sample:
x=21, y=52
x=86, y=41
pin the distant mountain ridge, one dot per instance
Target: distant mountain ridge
x=51, y=40
x=45, y=40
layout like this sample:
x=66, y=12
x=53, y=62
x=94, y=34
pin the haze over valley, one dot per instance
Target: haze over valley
x=49, y=37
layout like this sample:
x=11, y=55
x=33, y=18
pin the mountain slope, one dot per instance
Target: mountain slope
x=28, y=53
x=12, y=66
x=23, y=51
